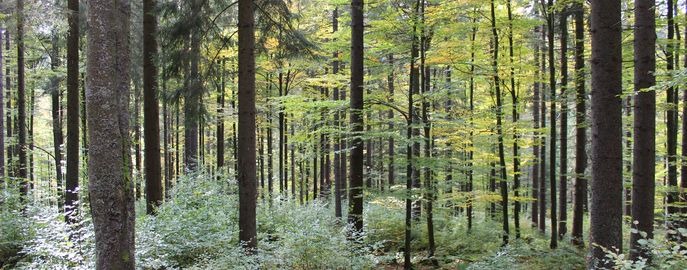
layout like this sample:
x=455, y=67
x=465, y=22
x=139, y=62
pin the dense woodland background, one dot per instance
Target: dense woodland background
x=334, y=134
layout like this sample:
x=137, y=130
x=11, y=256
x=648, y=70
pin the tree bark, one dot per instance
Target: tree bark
x=355, y=215
x=516, y=136
x=542, y=153
x=503, y=182
x=8, y=114
x=644, y=151
x=151, y=112
x=671, y=196
x=72, y=177
x=337, y=122
x=471, y=169
x=192, y=96
x=136, y=126
x=56, y=113
x=21, y=105
x=606, y=206
x=110, y=185
x=563, y=179
x=246, y=135
x=536, y=135
x=2, y=112
x=581, y=131
x=552, y=118
x=220, y=118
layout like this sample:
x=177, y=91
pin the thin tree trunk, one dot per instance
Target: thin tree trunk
x=499, y=128
x=627, y=150
x=137, y=173
x=425, y=39
x=606, y=206
x=21, y=104
x=542, y=153
x=581, y=131
x=410, y=118
x=337, y=122
x=552, y=118
x=536, y=135
x=270, y=165
x=671, y=196
x=514, y=98
x=563, y=179
x=390, y=116
x=8, y=113
x=58, y=139
x=281, y=142
x=220, y=118
x=2, y=112
x=471, y=171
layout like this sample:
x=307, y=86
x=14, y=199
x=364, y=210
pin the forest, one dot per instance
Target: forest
x=343, y=134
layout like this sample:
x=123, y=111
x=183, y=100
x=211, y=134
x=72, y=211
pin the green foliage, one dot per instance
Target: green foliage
x=200, y=221
x=665, y=254
x=12, y=237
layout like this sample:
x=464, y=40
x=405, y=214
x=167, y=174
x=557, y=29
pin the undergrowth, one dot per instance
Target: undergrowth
x=197, y=228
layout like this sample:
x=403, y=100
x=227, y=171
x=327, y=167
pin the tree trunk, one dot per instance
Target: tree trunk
x=246, y=136
x=337, y=122
x=151, y=111
x=503, y=184
x=2, y=102
x=471, y=171
x=192, y=95
x=21, y=104
x=627, y=150
x=355, y=215
x=606, y=206
x=514, y=98
x=563, y=179
x=220, y=118
x=270, y=165
x=58, y=139
x=72, y=181
x=281, y=142
x=410, y=118
x=84, y=122
x=552, y=118
x=644, y=151
x=671, y=196
x=137, y=172
x=536, y=135
x=581, y=131
x=8, y=114
x=542, y=153
x=110, y=185
x=390, y=116
x=425, y=39
x=261, y=162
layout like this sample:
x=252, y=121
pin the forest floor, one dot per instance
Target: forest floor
x=197, y=229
